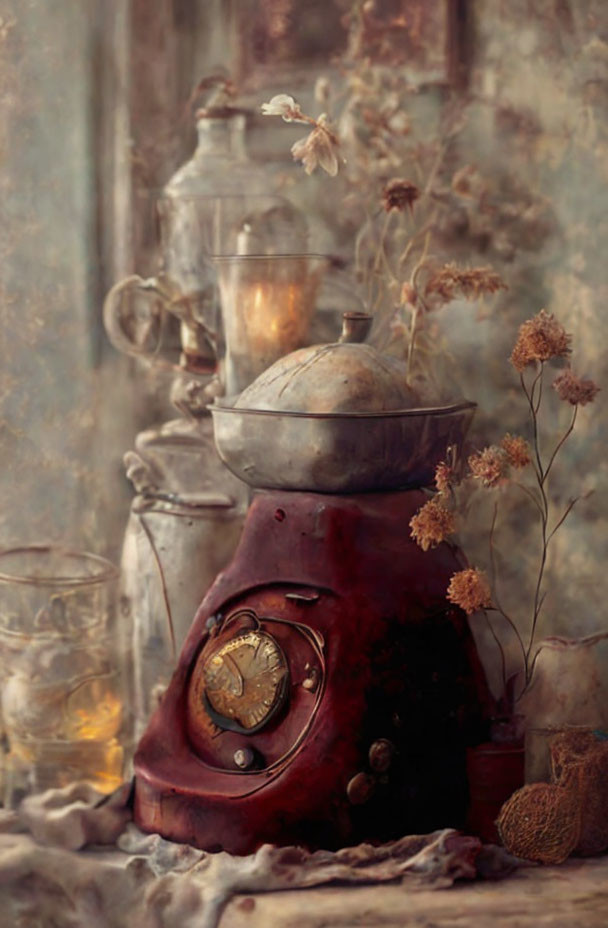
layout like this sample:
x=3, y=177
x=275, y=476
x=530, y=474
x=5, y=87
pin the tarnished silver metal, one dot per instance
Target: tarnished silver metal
x=343, y=376
x=303, y=598
x=312, y=680
x=337, y=418
x=244, y=758
x=338, y=452
x=183, y=528
x=355, y=327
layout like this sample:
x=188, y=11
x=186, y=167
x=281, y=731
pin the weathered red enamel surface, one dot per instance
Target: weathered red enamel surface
x=399, y=664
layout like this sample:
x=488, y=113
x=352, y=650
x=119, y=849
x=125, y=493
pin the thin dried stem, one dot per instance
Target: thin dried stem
x=538, y=599
x=493, y=569
x=503, y=660
x=412, y=341
x=512, y=624
x=529, y=494
x=569, y=509
x=560, y=443
x=540, y=395
x=381, y=252
x=528, y=682
x=419, y=301
x=360, y=239
x=407, y=251
x=538, y=462
x=542, y=479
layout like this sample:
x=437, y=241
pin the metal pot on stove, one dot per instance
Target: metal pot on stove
x=337, y=418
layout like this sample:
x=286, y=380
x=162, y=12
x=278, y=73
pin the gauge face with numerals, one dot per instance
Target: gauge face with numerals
x=244, y=683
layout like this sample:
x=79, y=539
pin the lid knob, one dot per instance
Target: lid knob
x=355, y=327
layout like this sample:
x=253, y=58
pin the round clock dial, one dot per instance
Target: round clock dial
x=244, y=683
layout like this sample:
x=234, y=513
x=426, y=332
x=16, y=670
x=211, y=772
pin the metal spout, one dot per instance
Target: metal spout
x=355, y=327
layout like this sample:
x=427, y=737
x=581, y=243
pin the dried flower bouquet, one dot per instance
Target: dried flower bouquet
x=395, y=222
x=540, y=340
x=414, y=211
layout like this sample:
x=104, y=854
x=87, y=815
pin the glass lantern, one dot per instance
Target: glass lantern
x=219, y=202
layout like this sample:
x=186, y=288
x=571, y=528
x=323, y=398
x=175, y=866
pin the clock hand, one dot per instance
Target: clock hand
x=236, y=673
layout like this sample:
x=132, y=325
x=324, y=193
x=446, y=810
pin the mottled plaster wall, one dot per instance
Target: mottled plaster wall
x=536, y=131
x=47, y=277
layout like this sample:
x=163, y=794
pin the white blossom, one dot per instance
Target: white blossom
x=285, y=106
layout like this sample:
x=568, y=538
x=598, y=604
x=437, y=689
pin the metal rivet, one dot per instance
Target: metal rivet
x=244, y=758
x=360, y=788
x=381, y=754
x=212, y=621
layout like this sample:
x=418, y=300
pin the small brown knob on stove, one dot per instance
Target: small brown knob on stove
x=360, y=788
x=381, y=755
x=245, y=758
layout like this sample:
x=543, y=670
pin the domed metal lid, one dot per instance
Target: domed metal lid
x=347, y=376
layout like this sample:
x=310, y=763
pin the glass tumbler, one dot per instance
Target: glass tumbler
x=61, y=671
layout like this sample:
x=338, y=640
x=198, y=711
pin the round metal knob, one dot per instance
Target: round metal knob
x=244, y=758
x=360, y=788
x=311, y=682
x=381, y=754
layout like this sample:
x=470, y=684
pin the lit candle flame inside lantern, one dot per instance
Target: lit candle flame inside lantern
x=267, y=306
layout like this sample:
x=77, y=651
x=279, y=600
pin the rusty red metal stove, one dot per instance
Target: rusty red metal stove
x=326, y=692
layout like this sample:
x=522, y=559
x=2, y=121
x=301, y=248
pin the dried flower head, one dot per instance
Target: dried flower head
x=408, y=294
x=444, y=476
x=320, y=147
x=470, y=590
x=468, y=182
x=517, y=450
x=283, y=105
x=489, y=466
x=400, y=195
x=451, y=281
x=575, y=390
x=540, y=339
x=432, y=524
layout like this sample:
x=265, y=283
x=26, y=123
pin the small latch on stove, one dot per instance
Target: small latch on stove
x=303, y=598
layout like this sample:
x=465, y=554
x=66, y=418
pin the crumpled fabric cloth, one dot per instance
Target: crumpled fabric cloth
x=138, y=880
x=76, y=815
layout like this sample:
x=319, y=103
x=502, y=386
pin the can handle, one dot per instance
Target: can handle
x=133, y=315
